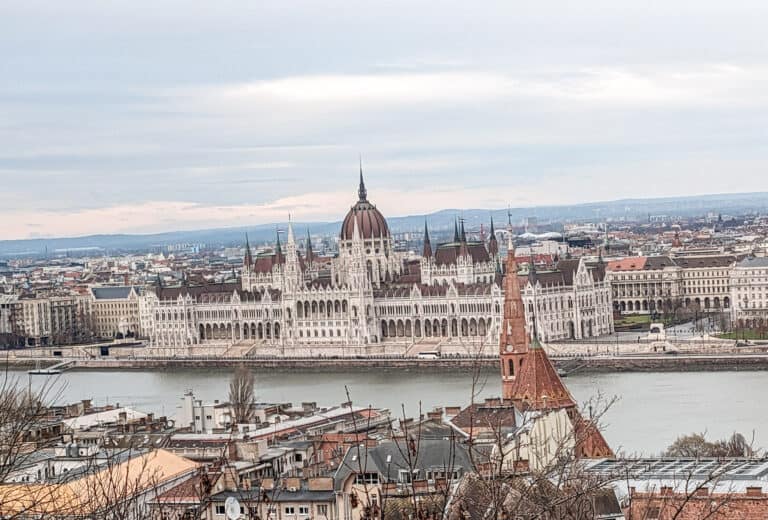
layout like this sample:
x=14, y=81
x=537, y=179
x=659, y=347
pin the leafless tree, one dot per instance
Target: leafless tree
x=241, y=395
x=22, y=409
x=696, y=445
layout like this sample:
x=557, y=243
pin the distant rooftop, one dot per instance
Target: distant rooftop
x=760, y=261
x=112, y=293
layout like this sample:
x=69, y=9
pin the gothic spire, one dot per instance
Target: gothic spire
x=310, y=253
x=463, y=234
x=278, y=248
x=427, y=244
x=248, y=260
x=362, y=193
x=493, y=244
x=456, y=230
x=291, y=239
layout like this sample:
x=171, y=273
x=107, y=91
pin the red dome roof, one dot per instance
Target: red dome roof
x=370, y=222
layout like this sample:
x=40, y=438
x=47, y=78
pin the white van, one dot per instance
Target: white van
x=431, y=354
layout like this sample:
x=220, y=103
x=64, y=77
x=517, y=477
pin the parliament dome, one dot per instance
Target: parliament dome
x=370, y=222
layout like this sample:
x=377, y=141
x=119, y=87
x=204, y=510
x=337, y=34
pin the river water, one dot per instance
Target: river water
x=651, y=411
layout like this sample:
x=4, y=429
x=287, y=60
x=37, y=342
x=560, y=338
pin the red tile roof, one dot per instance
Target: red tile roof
x=632, y=263
x=537, y=385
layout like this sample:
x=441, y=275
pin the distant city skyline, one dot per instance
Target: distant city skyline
x=142, y=118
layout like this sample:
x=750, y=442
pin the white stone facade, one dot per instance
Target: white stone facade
x=643, y=285
x=573, y=302
x=749, y=292
x=368, y=300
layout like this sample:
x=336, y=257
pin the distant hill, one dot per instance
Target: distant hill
x=733, y=204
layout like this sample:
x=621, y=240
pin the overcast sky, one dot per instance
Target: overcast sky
x=154, y=115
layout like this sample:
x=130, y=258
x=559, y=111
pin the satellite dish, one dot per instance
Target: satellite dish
x=232, y=508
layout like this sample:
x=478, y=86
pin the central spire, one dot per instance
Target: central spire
x=362, y=193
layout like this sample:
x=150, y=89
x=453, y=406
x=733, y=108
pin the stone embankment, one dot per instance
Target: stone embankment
x=569, y=365
x=705, y=354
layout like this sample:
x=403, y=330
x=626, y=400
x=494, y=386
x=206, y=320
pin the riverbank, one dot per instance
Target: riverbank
x=570, y=365
x=652, y=410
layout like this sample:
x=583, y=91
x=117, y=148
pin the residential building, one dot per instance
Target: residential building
x=131, y=483
x=642, y=284
x=116, y=311
x=687, y=488
x=749, y=292
x=705, y=281
x=397, y=469
x=32, y=321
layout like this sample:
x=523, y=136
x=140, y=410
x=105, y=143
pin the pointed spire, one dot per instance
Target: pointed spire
x=463, y=234
x=456, y=230
x=278, y=248
x=248, y=260
x=493, y=244
x=427, y=253
x=310, y=253
x=291, y=239
x=362, y=193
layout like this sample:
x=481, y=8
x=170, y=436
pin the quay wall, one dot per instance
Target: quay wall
x=571, y=365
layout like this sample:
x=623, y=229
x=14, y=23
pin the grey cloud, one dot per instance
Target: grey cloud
x=101, y=104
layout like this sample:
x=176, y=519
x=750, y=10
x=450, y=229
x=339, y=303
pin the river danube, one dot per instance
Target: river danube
x=651, y=411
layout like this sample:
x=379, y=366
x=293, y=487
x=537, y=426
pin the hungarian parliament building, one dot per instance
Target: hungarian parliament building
x=371, y=299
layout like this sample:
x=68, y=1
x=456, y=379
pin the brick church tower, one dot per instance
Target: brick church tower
x=514, y=342
x=529, y=381
x=528, y=378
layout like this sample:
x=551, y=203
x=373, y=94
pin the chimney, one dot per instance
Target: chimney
x=452, y=411
x=435, y=415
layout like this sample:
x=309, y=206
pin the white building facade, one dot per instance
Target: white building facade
x=749, y=292
x=368, y=300
x=570, y=302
